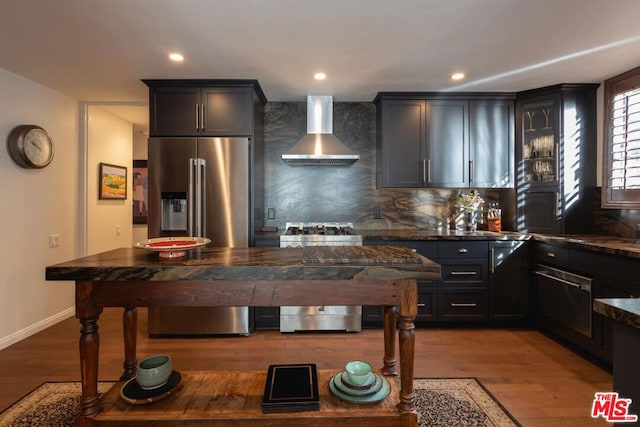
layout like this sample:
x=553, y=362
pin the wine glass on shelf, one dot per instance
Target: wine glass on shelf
x=547, y=113
x=530, y=115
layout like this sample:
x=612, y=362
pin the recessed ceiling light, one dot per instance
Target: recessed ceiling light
x=177, y=57
x=457, y=76
x=319, y=76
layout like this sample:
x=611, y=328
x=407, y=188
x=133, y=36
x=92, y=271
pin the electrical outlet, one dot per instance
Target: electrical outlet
x=118, y=230
x=376, y=213
x=271, y=213
x=54, y=240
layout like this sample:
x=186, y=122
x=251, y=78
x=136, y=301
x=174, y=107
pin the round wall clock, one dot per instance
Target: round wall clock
x=30, y=146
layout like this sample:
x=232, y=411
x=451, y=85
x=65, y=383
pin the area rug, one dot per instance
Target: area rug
x=458, y=402
x=440, y=402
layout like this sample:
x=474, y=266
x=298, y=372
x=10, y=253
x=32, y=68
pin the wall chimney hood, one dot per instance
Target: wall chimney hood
x=319, y=146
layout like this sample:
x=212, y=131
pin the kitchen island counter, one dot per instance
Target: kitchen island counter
x=334, y=262
x=353, y=275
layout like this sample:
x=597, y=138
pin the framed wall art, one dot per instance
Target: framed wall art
x=140, y=186
x=113, y=182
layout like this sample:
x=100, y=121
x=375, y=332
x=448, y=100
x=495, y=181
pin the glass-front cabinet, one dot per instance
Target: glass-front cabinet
x=556, y=159
x=539, y=145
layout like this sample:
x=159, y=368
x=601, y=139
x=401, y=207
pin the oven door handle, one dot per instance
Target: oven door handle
x=566, y=282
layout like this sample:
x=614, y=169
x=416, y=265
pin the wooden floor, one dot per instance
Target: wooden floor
x=539, y=381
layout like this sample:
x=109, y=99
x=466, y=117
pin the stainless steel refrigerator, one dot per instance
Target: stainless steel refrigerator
x=200, y=187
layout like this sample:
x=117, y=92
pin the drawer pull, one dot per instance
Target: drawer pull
x=422, y=305
x=551, y=255
x=463, y=250
x=464, y=304
x=463, y=273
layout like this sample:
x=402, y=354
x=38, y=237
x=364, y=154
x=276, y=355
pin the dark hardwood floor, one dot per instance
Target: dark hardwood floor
x=539, y=381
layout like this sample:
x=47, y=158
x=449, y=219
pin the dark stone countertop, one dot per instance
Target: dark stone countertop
x=213, y=263
x=592, y=242
x=435, y=235
x=595, y=243
x=417, y=234
x=624, y=310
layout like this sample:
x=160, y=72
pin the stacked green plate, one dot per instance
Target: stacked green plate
x=373, y=390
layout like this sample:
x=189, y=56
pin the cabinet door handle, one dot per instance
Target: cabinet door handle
x=463, y=250
x=202, y=116
x=463, y=273
x=551, y=255
x=464, y=304
x=426, y=170
x=471, y=171
x=422, y=305
x=557, y=208
x=197, y=116
x=492, y=252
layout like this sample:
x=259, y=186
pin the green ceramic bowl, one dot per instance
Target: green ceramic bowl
x=154, y=371
x=359, y=372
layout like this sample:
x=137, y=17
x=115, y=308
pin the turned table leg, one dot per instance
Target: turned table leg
x=407, y=348
x=408, y=311
x=89, y=346
x=390, y=317
x=130, y=332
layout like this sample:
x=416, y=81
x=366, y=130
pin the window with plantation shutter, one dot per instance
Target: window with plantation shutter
x=621, y=181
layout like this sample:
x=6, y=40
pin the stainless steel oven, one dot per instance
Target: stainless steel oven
x=322, y=317
x=564, y=298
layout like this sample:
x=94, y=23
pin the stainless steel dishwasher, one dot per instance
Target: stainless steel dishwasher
x=564, y=298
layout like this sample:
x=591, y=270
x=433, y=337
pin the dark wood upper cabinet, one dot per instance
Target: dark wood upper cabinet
x=445, y=140
x=447, y=154
x=556, y=158
x=492, y=143
x=203, y=107
x=401, y=142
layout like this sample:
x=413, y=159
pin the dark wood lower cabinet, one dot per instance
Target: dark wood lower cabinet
x=463, y=304
x=508, y=282
x=266, y=317
x=427, y=304
x=372, y=316
x=474, y=287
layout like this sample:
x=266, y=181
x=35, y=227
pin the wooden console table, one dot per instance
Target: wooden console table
x=346, y=275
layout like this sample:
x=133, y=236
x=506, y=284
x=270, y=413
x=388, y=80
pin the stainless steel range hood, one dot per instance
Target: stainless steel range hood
x=319, y=146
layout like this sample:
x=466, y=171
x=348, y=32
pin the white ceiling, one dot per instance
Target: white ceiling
x=98, y=50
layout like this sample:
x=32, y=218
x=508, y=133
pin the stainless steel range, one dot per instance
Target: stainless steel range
x=323, y=317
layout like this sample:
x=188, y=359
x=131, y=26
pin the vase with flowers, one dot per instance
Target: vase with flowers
x=469, y=206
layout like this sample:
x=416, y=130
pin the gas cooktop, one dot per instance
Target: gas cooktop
x=319, y=233
x=319, y=228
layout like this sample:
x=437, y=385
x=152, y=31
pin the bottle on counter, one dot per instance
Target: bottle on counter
x=494, y=217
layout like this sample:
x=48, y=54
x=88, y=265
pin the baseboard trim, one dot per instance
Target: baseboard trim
x=36, y=327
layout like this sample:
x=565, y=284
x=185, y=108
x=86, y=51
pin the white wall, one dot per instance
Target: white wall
x=38, y=203
x=140, y=148
x=109, y=222
x=35, y=204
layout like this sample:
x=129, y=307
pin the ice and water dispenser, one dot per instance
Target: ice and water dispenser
x=174, y=212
